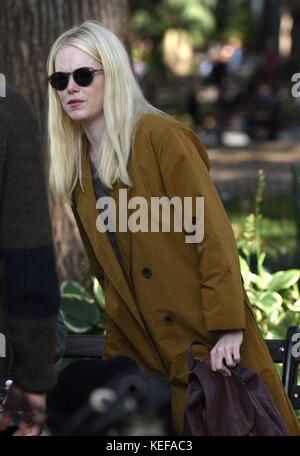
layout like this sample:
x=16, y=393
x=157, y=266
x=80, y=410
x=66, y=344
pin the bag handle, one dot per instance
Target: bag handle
x=190, y=357
x=243, y=376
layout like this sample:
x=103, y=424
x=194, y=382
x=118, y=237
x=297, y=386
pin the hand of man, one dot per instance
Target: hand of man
x=227, y=348
x=33, y=408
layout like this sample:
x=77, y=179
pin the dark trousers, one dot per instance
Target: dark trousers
x=68, y=406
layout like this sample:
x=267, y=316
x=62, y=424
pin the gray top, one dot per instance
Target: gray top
x=101, y=191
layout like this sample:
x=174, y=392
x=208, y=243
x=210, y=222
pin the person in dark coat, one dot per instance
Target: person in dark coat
x=29, y=289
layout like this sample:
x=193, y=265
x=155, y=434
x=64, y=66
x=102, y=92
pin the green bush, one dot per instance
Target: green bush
x=81, y=312
x=275, y=296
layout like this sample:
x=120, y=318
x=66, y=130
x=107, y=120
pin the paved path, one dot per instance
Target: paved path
x=235, y=171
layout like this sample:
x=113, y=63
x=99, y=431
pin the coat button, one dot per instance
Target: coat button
x=147, y=273
x=169, y=319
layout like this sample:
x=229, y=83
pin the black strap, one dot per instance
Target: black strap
x=190, y=357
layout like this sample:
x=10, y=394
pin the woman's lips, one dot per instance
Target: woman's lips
x=74, y=104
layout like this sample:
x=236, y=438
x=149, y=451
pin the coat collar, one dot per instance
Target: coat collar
x=85, y=202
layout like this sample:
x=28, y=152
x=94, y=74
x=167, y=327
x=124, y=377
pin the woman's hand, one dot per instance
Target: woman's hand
x=227, y=348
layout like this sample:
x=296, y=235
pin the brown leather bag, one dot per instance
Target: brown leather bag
x=236, y=405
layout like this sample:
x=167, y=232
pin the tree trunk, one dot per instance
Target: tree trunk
x=27, y=31
x=221, y=13
x=295, y=13
x=271, y=23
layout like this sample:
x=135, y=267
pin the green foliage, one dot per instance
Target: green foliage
x=278, y=229
x=150, y=19
x=275, y=296
x=83, y=313
x=240, y=23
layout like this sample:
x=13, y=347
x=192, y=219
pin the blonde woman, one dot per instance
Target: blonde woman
x=162, y=288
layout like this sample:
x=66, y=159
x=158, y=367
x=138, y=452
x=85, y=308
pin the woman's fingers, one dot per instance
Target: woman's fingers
x=236, y=354
x=226, y=353
x=229, y=356
x=220, y=366
x=217, y=361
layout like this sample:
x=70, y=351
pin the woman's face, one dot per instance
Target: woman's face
x=68, y=59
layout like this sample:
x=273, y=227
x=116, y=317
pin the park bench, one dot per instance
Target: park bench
x=285, y=352
x=91, y=346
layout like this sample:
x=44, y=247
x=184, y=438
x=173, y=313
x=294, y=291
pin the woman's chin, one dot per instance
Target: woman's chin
x=77, y=116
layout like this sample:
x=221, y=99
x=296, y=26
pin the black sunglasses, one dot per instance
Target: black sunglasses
x=82, y=76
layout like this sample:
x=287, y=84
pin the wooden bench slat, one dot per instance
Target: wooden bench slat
x=91, y=346
x=85, y=346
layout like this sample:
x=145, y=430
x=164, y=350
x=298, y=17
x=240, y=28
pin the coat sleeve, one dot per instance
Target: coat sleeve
x=29, y=283
x=184, y=168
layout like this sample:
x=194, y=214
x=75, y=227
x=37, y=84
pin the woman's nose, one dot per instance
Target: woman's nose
x=72, y=86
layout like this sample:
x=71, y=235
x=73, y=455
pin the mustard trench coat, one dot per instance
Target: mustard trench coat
x=169, y=292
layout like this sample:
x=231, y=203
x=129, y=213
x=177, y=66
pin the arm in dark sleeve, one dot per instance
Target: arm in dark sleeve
x=31, y=291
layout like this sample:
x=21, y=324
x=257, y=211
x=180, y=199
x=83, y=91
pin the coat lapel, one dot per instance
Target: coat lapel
x=123, y=238
x=88, y=213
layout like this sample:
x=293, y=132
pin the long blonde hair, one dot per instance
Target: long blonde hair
x=123, y=105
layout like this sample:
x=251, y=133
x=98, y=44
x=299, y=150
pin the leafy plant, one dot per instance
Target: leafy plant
x=81, y=312
x=275, y=296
